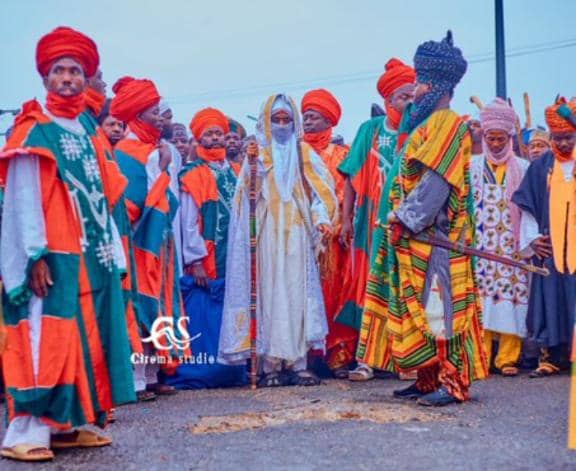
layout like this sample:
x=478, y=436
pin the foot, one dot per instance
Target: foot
x=275, y=379
x=545, y=369
x=361, y=373
x=78, y=439
x=509, y=371
x=145, y=396
x=112, y=416
x=302, y=378
x=162, y=389
x=340, y=373
x=411, y=392
x=27, y=453
x=439, y=398
x=409, y=376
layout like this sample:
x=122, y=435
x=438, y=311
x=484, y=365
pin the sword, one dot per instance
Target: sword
x=436, y=241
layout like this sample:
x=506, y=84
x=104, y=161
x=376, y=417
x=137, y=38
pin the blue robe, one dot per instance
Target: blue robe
x=204, y=309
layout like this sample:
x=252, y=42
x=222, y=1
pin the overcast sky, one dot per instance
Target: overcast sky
x=234, y=54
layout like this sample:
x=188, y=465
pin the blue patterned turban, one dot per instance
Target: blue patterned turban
x=440, y=64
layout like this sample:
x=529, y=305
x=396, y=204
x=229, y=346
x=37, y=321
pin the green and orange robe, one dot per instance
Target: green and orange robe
x=67, y=360
x=367, y=164
x=341, y=339
x=397, y=332
x=152, y=206
x=120, y=216
x=211, y=189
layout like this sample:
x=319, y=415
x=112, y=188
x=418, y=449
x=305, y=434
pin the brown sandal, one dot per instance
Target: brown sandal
x=79, y=439
x=145, y=396
x=545, y=369
x=162, y=389
x=509, y=371
x=27, y=452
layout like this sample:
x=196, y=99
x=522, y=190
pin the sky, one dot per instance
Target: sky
x=232, y=55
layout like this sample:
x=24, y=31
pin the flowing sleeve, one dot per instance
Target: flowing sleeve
x=528, y=196
x=324, y=203
x=528, y=233
x=193, y=244
x=23, y=239
x=421, y=207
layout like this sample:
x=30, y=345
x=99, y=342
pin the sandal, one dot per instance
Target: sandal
x=361, y=373
x=408, y=376
x=145, y=396
x=79, y=439
x=275, y=379
x=27, y=452
x=162, y=389
x=545, y=369
x=111, y=416
x=340, y=373
x=302, y=378
x=509, y=371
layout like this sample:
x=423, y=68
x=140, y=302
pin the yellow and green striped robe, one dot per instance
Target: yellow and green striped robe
x=395, y=334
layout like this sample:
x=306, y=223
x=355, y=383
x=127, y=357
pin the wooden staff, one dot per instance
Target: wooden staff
x=474, y=99
x=521, y=146
x=528, y=111
x=466, y=250
x=252, y=196
x=445, y=243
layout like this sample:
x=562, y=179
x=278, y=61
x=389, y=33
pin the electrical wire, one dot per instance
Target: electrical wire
x=353, y=77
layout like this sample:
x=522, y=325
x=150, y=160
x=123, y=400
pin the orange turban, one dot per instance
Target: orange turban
x=133, y=96
x=67, y=42
x=561, y=116
x=207, y=118
x=323, y=102
x=396, y=75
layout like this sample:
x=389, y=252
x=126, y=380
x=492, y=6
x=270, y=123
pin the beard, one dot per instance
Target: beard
x=425, y=104
x=167, y=133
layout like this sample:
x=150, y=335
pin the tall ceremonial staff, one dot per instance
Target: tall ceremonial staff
x=527, y=111
x=252, y=154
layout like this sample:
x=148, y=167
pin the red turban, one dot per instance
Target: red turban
x=561, y=116
x=207, y=118
x=396, y=75
x=323, y=102
x=66, y=42
x=133, y=96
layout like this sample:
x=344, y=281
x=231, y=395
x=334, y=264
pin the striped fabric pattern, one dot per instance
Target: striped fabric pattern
x=395, y=334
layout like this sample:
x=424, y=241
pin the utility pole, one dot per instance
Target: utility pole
x=500, y=50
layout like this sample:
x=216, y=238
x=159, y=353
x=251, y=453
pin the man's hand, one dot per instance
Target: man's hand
x=252, y=150
x=346, y=232
x=196, y=271
x=542, y=247
x=326, y=232
x=395, y=228
x=165, y=156
x=40, y=278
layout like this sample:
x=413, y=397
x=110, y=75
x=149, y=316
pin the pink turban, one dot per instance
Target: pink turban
x=498, y=115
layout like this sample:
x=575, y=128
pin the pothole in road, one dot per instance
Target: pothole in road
x=327, y=411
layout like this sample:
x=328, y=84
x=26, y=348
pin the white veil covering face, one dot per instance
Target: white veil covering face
x=282, y=140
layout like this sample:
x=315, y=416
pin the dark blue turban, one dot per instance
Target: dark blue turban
x=440, y=64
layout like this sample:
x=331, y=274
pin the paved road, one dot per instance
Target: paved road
x=510, y=424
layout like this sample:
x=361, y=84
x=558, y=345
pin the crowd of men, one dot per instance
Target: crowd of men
x=138, y=259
